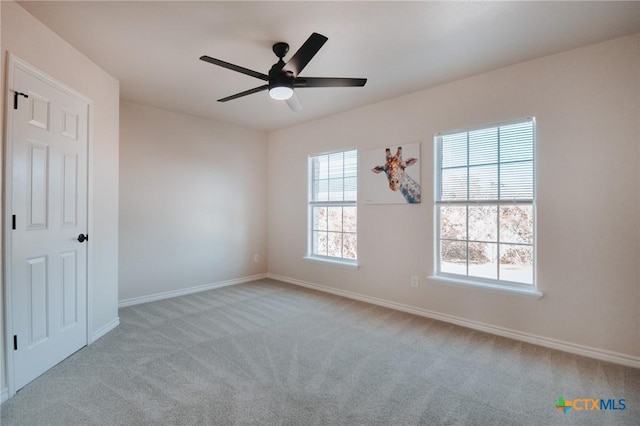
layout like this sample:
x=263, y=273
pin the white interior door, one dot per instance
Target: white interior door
x=47, y=198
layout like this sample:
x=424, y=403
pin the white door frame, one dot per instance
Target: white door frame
x=13, y=64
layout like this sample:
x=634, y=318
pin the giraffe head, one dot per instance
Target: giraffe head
x=394, y=168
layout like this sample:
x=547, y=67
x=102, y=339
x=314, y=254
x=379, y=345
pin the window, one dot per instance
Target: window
x=333, y=191
x=485, y=211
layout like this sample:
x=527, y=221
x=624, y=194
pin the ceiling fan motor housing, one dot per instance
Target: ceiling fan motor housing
x=278, y=77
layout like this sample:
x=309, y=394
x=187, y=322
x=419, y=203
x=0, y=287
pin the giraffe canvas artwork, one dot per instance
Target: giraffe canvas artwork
x=394, y=176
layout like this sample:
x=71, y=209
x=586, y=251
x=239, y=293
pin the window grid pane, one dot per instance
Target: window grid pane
x=453, y=184
x=332, y=205
x=493, y=240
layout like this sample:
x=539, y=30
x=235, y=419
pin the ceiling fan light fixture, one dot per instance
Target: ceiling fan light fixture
x=280, y=93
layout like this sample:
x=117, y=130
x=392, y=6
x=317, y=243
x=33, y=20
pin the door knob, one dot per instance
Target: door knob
x=82, y=238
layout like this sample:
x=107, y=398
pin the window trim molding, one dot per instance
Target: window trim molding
x=531, y=292
x=334, y=261
x=467, y=281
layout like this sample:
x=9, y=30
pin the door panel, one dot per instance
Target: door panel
x=38, y=183
x=48, y=196
x=70, y=190
x=39, y=111
x=38, y=303
x=69, y=289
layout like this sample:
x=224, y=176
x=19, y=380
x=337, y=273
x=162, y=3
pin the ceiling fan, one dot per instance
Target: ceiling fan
x=284, y=77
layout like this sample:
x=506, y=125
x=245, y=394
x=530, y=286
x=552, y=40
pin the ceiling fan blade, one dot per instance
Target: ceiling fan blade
x=294, y=102
x=233, y=67
x=245, y=93
x=329, y=82
x=306, y=52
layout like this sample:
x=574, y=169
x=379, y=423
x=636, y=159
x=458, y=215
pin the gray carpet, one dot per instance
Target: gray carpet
x=275, y=354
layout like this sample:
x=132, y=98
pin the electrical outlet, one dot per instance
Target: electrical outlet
x=256, y=258
x=414, y=281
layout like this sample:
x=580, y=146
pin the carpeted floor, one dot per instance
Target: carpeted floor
x=275, y=354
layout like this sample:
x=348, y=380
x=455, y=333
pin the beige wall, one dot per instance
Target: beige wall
x=30, y=40
x=586, y=103
x=192, y=202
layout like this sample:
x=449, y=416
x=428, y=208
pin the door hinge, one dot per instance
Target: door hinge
x=15, y=342
x=15, y=98
x=13, y=222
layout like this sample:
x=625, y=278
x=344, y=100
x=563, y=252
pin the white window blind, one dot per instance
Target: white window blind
x=487, y=164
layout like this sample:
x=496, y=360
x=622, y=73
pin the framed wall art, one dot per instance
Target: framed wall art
x=391, y=175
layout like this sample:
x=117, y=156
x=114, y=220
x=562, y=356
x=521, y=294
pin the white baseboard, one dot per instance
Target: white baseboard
x=189, y=290
x=587, y=351
x=4, y=395
x=104, y=330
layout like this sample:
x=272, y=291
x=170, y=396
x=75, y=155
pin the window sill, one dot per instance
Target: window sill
x=485, y=286
x=332, y=262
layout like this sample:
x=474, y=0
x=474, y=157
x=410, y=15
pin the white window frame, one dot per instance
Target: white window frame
x=500, y=285
x=341, y=261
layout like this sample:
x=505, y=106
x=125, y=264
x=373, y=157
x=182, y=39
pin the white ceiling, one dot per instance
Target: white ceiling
x=401, y=47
